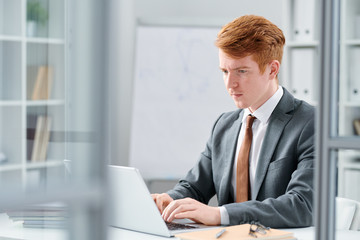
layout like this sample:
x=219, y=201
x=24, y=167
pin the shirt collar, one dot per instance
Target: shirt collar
x=264, y=111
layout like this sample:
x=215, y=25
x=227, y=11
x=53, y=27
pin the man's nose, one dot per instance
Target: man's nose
x=232, y=81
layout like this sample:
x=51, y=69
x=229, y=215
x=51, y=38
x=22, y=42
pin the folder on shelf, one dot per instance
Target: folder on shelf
x=238, y=232
x=302, y=73
x=304, y=20
x=354, y=86
x=43, y=83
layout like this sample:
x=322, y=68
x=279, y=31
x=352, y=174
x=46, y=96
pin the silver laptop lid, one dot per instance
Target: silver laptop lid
x=131, y=204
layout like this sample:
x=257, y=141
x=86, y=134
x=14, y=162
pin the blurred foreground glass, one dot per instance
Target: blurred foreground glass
x=349, y=77
x=52, y=97
x=338, y=143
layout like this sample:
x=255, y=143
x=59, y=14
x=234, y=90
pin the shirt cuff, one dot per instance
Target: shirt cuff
x=224, y=215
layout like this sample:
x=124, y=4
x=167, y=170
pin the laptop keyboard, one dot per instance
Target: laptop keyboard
x=178, y=226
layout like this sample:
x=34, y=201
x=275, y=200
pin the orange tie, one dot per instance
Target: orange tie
x=242, y=170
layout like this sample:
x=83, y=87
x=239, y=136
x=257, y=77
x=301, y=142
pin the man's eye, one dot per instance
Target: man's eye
x=242, y=71
x=225, y=71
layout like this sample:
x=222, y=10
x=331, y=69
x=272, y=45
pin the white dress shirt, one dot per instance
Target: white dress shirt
x=259, y=127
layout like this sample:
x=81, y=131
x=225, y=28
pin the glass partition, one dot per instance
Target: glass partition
x=52, y=116
x=349, y=81
x=338, y=141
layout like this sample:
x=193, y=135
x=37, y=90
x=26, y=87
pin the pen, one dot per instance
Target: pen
x=220, y=233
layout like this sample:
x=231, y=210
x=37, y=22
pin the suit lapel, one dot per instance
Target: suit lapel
x=277, y=122
x=231, y=141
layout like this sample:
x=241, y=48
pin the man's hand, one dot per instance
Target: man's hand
x=192, y=209
x=162, y=200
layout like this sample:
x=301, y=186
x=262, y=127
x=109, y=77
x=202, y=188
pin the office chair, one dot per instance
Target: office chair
x=347, y=214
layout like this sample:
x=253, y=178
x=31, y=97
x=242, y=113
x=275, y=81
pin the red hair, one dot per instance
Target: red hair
x=252, y=35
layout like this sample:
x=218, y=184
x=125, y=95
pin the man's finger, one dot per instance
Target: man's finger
x=181, y=209
x=177, y=207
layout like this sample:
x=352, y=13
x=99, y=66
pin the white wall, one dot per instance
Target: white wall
x=123, y=18
x=196, y=10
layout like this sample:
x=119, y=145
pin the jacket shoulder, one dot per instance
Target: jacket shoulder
x=228, y=117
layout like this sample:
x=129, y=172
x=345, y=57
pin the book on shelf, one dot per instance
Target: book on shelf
x=44, y=139
x=31, y=120
x=41, y=138
x=357, y=126
x=31, y=73
x=39, y=82
x=238, y=232
x=37, y=138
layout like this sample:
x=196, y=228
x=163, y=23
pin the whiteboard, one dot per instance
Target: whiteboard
x=178, y=94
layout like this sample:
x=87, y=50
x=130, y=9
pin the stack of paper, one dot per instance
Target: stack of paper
x=238, y=232
x=41, y=216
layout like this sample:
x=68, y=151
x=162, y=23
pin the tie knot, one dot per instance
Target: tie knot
x=249, y=120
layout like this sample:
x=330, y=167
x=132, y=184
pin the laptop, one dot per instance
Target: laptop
x=133, y=208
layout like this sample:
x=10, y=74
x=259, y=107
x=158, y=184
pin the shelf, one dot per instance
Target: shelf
x=350, y=159
x=24, y=56
x=350, y=104
x=10, y=38
x=10, y=103
x=45, y=40
x=298, y=44
x=45, y=103
x=352, y=165
x=352, y=42
x=32, y=39
x=30, y=103
x=46, y=164
x=10, y=167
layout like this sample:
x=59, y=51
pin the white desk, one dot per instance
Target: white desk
x=16, y=231
x=299, y=233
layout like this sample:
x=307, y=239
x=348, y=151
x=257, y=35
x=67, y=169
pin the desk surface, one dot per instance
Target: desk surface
x=16, y=231
x=299, y=233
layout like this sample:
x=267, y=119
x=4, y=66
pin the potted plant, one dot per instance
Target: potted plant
x=36, y=14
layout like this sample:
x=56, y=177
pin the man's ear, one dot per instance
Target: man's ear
x=274, y=68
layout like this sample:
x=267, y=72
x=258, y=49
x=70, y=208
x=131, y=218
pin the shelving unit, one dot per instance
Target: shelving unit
x=299, y=70
x=349, y=102
x=349, y=105
x=22, y=53
x=300, y=61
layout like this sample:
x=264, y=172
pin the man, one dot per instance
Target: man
x=277, y=189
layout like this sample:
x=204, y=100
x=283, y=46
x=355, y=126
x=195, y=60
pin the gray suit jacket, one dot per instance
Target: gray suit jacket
x=283, y=191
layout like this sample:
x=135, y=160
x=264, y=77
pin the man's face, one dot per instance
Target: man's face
x=246, y=85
